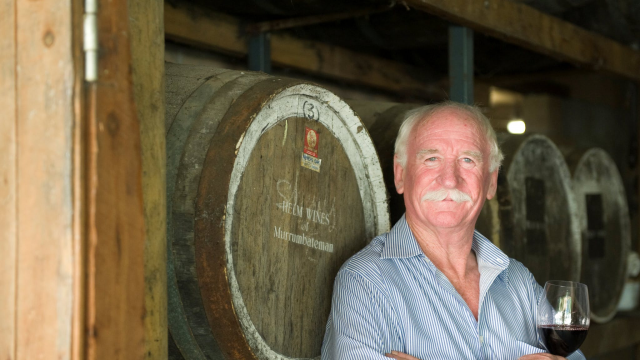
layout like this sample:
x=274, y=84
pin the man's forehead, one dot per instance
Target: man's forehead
x=452, y=125
x=449, y=117
x=449, y=130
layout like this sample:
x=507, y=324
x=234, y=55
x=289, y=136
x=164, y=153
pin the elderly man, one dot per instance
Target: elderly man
x=433, y=288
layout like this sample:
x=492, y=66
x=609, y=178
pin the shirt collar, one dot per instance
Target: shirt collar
x=401, y=243
x=487, y=254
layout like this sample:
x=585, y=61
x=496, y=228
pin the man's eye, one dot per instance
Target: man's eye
x=432, y=159
x=467, y=160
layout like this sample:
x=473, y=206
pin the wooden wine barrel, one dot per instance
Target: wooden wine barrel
x=272, y=184
x=604, y=226
x=539, y=219
x=383, y=120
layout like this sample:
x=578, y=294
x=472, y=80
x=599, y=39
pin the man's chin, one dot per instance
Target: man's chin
x=446, y=223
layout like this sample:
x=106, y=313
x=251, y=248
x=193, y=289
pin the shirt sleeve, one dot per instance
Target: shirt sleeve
x=355, y=326
x=576, y=356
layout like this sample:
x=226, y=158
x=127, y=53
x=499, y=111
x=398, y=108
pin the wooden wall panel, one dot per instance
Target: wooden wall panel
x=147, y=51
x=8, y=234
x=44, y=98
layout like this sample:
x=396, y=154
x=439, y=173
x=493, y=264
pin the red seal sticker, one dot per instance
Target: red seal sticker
x=311, y=140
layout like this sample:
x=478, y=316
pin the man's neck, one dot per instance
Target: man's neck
x=448, y=249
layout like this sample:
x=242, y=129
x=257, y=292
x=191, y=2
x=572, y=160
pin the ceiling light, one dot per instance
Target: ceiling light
x=516, y=126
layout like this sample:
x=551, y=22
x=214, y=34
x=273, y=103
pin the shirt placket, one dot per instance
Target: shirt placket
x=469, y=318
x=487, y=277
x=483, y=336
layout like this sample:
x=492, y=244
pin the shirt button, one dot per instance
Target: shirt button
x=481, y=339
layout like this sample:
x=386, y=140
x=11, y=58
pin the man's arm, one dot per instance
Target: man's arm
x=355, y=329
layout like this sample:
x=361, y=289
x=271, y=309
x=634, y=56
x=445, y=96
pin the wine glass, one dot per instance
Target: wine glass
x=563, y=316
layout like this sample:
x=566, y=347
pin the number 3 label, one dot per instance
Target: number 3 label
x=311, y=111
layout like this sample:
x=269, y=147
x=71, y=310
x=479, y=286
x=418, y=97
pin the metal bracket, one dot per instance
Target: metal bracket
x=90, y=40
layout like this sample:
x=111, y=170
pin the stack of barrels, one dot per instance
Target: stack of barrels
x=563, y=215
x=272, y=184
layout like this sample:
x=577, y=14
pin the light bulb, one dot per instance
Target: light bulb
x=516, y=127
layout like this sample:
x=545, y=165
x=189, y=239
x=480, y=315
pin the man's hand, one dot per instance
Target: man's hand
x=402, y=356
x=544, y=356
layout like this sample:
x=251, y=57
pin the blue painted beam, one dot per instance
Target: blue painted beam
x=461, y=64
x=260, y=53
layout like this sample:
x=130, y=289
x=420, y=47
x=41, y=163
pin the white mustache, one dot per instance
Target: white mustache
x=439, y=195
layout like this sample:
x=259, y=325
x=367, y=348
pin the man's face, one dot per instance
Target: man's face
x=445, y=154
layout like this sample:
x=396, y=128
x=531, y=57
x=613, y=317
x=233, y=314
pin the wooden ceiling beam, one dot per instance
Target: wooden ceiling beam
x=529, y=28
x=225, y=34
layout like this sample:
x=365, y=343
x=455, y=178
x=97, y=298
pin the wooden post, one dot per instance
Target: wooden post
x=115, y=255
x=147, y=50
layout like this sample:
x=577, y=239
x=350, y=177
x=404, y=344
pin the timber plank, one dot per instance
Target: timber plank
x=78, y=335
x=212, y=31
x=8, y=186
x=220, y=32
x=532, y=29
x=342, y=64
x=116, y=288
x=147, y=50
x=44, y=94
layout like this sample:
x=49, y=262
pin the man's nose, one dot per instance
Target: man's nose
x=449, y=175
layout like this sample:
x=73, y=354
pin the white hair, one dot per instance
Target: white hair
x=423, y=114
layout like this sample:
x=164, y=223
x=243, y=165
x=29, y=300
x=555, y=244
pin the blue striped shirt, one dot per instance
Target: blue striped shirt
x=390, y=296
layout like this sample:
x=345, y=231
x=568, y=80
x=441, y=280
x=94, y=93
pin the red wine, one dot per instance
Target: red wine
x=563, y=339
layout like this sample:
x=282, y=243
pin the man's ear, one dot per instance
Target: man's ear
x=493, y=185
x=398, y=175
